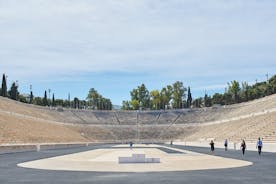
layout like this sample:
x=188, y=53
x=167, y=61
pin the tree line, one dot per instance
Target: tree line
x=93, y=101
x=174, y=96
x=237, y=92
x=171, y=96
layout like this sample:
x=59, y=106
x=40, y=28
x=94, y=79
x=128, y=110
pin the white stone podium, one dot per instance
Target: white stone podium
x=138, y=158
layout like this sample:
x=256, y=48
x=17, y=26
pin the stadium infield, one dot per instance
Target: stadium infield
x=262, y=170
x=106, y=160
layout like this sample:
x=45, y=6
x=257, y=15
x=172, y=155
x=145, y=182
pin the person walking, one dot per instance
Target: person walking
x=212, y=144
x=243, y=147
x=259, y=145
x=226, y=144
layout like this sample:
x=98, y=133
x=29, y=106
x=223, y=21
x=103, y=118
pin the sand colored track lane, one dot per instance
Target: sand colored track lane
x=106, y=160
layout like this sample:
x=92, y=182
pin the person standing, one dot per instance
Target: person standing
x=243, y=146
x=226, y=144
x=212, y=144
x=259, y=145
x=171, y=143
x=131, y=144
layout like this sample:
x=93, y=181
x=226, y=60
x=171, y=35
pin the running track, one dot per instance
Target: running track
x=262, y=171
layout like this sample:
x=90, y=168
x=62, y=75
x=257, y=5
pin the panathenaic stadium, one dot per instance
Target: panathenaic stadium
x=23, y=123
x=54, y=145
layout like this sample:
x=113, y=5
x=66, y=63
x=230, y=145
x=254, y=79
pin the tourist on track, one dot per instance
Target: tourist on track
x=212, y=144
x=226, y=144
x=243, y=146
x=130, y=144
x=259, y=145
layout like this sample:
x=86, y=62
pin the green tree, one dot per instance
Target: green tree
x=244, y=92
x=189, y=99
x=228, y=98
x=272, y=85
x=53, y=100
x=67, y=103
x=144, y=97
x=4, y=86
x=31, y=97
x=105, y=104
x=218, y=99
x=22, y=98
x=178, y=95
x=83, y=104
x=258, y=90
x=93, y=98
x=38, y=101
x=155, y=99
x=207, y=101
x=126, y=105
x=14, y=91
x=234, y=89
x=60, y=102
x=135, y=104
x=166, y=96
x=134, y=94
x=97, y=101
x=198, y=102
x=76, y=103
x=45, y=100
x=140, y=94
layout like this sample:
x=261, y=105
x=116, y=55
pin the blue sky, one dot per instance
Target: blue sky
x=116, y=45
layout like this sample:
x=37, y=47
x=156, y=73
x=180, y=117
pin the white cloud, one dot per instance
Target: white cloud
x=39, y=38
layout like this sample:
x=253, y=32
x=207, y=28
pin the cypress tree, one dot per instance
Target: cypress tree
x=53, y=100
x=45, y=100
x=31, y=97
x=189, y=99
x=4, y=86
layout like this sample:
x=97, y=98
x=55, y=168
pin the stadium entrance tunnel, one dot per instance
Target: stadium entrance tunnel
x=106, y=160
